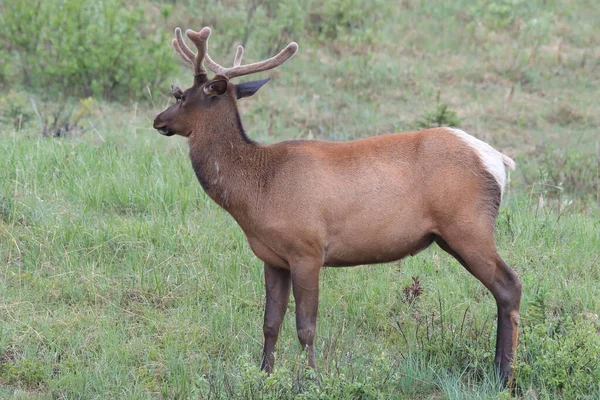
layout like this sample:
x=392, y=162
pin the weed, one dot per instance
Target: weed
x=413, y=291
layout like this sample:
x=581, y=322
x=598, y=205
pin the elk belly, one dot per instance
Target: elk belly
x=376, y=243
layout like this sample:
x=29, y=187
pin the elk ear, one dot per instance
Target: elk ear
x=247, y=89
x=216, y=88
x=176, y=92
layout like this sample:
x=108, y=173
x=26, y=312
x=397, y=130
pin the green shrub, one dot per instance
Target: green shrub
x=106, y=48
x=561, y=356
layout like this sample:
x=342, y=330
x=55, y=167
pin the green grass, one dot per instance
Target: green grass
x=120, y=278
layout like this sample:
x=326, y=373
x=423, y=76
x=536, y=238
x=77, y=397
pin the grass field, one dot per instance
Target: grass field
x=119, y=278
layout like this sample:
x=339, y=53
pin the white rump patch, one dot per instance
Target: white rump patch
x=493, y=161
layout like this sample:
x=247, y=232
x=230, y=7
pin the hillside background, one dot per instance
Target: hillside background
x=120, y=279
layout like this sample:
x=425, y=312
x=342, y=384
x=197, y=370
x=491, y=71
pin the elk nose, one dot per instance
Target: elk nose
x=161, y=126
x=158, y=124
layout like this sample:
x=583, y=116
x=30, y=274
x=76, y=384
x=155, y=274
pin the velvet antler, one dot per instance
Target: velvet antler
x=240, y=70
x=189, y=58
x=200, y=40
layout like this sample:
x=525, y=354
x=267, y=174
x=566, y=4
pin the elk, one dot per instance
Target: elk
x=307, y=204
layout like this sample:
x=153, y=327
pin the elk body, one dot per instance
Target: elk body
x=304, y=205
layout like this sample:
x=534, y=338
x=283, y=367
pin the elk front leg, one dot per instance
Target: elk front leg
x=305, y=284
x=277, y=287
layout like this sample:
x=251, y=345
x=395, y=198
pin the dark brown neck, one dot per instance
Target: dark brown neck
x=227, y=163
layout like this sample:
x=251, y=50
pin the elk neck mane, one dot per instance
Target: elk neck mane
x=227, y=162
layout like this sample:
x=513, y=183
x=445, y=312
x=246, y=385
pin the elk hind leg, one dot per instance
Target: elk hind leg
x=476, y=251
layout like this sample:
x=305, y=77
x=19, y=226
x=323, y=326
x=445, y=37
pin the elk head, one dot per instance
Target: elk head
x=208, y=101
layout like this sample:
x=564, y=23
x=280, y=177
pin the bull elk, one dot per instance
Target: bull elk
x=307, y=204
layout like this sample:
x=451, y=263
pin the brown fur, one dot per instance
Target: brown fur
x=308, y=204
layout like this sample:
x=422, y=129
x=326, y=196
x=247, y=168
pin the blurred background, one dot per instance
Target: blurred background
x=119, y=278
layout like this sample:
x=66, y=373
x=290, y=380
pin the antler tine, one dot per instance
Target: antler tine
x=186, y=55
x=182, y=56
x=185, y=49
x=200, y=39
x=238, y=56
x=240, y=70
x=213, y=66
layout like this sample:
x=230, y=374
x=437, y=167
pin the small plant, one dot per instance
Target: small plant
x=440, y=115
x=536, y=313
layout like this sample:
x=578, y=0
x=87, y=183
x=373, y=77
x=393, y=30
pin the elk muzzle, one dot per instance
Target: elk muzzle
x=161, y=126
